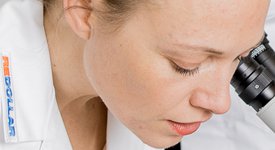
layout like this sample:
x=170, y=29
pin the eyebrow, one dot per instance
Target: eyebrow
x=209, y=50
x=206, y=49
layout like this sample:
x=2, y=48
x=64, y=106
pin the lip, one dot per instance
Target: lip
x=183, y=129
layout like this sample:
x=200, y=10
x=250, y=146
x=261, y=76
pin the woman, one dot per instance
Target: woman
x=161, y=67
x=135, y=56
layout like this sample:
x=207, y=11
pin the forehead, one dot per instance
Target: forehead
x=203, y=8
x=214, y=22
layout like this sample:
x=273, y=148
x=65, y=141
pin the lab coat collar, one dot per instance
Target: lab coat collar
x=29, y=96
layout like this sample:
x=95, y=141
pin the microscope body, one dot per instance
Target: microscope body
x=254, y=81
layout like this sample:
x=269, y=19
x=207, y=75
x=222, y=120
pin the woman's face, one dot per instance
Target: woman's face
x=171, y=63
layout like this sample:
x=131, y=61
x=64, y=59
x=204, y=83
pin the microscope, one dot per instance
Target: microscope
x=254, y=81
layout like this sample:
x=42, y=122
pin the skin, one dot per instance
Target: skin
x=131, y=71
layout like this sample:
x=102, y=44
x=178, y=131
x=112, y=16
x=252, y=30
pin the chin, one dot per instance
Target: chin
x=165, y=142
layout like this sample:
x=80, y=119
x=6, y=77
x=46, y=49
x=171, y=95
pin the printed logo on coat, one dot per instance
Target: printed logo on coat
x=7, y=101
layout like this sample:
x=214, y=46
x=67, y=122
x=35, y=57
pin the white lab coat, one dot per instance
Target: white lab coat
x=37, y=123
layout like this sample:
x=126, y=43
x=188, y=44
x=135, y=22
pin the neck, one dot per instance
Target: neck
x=83, y=112
x=66, y=52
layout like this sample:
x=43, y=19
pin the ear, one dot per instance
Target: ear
x=77, y=14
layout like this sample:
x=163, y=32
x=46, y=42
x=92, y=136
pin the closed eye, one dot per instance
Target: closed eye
x=184, y=71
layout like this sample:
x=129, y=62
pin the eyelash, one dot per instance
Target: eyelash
x=185, y=72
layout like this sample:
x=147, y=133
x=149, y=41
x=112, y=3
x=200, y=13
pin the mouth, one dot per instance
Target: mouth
x=183, y=129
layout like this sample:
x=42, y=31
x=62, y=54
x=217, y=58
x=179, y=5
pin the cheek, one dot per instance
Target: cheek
x=135, y=81
x=139, y=88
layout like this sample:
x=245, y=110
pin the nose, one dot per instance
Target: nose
x=213, y=92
